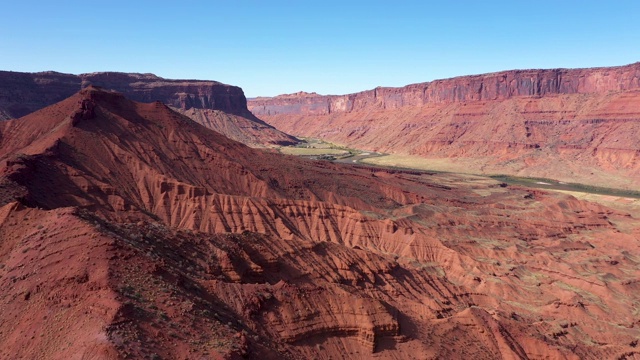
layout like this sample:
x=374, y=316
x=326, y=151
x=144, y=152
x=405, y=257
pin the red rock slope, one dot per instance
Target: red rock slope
x=567, y=124
x=215, y=105
x=129, y=231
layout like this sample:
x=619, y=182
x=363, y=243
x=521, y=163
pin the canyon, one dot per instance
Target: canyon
x=574, y=125
x=216, y=105
x=127, y=230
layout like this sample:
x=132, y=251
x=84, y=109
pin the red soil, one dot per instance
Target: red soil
x=217, y=106
x=127, y=230
x=576, y=125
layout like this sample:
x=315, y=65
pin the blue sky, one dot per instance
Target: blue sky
x=331, y=47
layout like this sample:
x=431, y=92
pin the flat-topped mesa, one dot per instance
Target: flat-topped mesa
x=493, y=86
x=182, y=94
x=24, y=93
x=215, y=105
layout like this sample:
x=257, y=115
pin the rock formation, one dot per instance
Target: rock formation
x=128, y=230
x=568, y=124
x=217, y=106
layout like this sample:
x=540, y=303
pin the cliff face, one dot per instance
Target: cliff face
x=571, y=125
x=128, y=230
x=495, y=86
x=218, y=106
x=24, y=93
x=181, y=94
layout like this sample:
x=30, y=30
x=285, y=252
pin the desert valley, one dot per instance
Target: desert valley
x=575, y=125
x=146, y=218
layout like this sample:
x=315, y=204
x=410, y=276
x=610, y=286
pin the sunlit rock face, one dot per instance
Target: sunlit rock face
x=577, y=125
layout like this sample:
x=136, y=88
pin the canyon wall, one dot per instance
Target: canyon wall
x=579, y=125
x=181, y=94
x=494, y=86
x=216, y=105
x=24, y=93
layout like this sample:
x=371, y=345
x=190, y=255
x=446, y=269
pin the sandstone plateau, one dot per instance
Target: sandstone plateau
x=129, y=231
x=577, y=125
x=215, y=105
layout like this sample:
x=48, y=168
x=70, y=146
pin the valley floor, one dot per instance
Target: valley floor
x=619, y=199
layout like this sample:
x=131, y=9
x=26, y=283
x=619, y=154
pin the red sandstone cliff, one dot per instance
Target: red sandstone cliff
x=129, y=231
x=24, y=93
x=494, y=86
x=571, y=125
x=218, y=106
x=181, y=94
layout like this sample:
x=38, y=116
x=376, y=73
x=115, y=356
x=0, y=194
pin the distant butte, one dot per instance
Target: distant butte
x=129, y=231
x=215, y=105
x=299, y=94
x=576, y=125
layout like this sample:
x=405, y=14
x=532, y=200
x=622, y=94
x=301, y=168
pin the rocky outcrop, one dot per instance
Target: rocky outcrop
x=218, y=106
x=578, y=125
x=134, y=232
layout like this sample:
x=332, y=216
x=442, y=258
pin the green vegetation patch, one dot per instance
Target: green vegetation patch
x=311, y=151
x=556, y=185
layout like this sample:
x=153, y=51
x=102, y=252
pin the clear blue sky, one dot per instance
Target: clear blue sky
x=331, y=47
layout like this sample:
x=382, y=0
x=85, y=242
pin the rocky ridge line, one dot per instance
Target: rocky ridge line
x=216, y=105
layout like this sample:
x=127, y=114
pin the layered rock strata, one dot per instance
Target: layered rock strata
x=128, y=230
x=217, y=106
x=579, y=125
